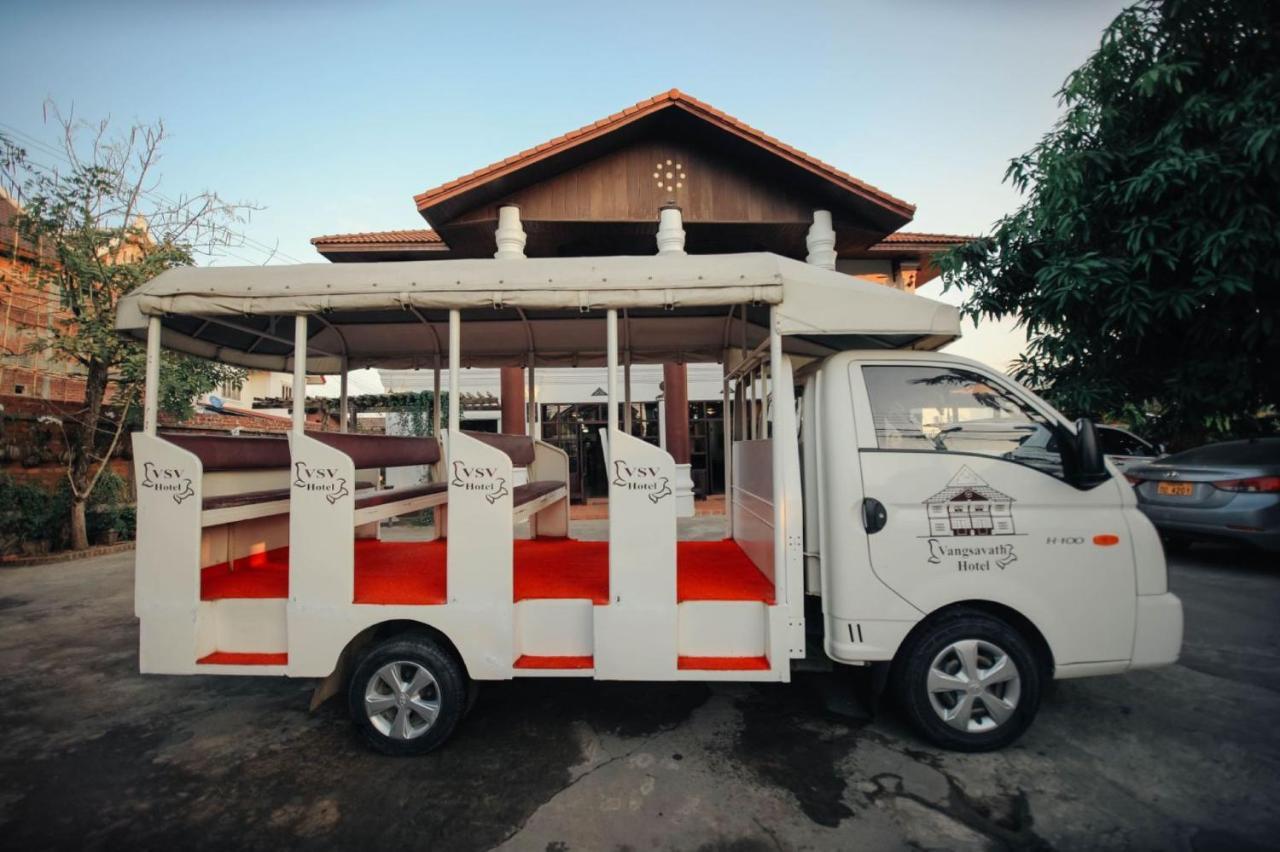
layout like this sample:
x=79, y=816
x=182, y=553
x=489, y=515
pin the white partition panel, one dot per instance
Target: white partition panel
x=167, y=560
x=321, y=525
x=635, y=634
x=753, y=503
x=480, y=581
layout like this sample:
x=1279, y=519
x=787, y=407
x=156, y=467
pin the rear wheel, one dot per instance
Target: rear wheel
x=971, y=682
x=407, y=695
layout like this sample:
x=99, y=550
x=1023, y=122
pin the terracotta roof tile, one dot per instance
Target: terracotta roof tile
x=910, y=237
x=420, y=235
x=674, y=97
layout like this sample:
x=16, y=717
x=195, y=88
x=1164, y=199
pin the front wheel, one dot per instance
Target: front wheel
x=971, y=683
x=407, y=695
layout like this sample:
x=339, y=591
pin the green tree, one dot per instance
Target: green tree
x=1144, y=262
x=108, y=230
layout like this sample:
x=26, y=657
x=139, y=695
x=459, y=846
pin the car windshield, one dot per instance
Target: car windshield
x=1117, y=442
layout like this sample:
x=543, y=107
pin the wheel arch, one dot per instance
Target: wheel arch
x=336, y=681
x=389, y=629
x=1015, y=619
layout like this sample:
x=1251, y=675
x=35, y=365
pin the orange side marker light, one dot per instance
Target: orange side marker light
x=1106, y=540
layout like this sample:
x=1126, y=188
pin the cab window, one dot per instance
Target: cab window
x=949, y=409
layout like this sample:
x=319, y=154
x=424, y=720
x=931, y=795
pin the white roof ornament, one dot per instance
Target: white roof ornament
x=821, y=241
x=510, y=234
x=670, y=230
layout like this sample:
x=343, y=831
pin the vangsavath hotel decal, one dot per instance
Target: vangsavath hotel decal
x=968, y=506
x=482, y=479
x=324, y=480
x=641, y=478
x=167, y=480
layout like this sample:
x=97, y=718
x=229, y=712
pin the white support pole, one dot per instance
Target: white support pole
x=739, y=410
x=750, y=378
x=779, y=461
x=726, y=428
x=151, y=392
x=299, y=374
x=767, y=388
x=531, y=404
x=343, y=401
x=611, y=346
x=626, y=388
x=435, y=401
x=455, y=363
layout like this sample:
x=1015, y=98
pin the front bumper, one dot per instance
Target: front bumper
x=1157, y=635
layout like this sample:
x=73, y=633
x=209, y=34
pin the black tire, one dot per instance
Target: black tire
x=449, y=692
x=910, y=681
x=1176, y=545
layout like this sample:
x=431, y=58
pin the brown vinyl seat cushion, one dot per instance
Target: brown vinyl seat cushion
x=518, y=447
x=394, y=495
x=234, y=452
x=250, y=498
x=370, y=451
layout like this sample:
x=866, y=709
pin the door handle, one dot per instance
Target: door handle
x=874, y=515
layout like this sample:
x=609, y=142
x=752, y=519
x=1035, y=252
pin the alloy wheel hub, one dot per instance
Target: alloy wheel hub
x=974, y=685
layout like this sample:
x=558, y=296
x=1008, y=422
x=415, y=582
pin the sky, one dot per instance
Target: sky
x=331, y=115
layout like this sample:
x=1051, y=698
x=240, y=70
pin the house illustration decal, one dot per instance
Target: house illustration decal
x=968, y=506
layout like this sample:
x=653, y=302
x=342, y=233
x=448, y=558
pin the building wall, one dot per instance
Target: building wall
x=29, y=315
x=876, y=271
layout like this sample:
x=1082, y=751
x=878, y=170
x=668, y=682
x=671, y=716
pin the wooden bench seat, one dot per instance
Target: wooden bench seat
x=532, y=497
x=388, y=502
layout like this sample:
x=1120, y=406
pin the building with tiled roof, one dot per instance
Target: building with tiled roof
x=598, y=190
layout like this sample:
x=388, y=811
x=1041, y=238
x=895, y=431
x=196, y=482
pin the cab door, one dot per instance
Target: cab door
x=963, y=502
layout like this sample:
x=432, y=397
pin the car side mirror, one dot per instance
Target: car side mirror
x=1090, y=469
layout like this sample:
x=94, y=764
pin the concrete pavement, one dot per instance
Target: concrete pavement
x=96, y=756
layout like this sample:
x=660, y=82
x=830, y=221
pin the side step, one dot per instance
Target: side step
x=237, y=658
x=723, y=664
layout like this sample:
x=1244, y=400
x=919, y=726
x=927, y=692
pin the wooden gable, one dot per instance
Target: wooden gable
x=594, y=190
x=610, y=204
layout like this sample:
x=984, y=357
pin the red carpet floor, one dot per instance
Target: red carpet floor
x=527, y=661
x=234, y=658
x=723, y=664
x=413, y=572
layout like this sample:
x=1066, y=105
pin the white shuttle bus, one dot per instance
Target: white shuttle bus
x=875, y=500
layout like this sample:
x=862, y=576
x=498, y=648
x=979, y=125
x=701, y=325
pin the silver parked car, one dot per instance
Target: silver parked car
x=1224, y=492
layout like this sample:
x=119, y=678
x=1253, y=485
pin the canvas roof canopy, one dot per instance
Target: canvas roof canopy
x=683, y=308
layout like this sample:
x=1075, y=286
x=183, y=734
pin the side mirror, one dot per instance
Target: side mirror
x=1090, y=470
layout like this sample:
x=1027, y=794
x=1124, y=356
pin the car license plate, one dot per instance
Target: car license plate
x=1174, y=489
